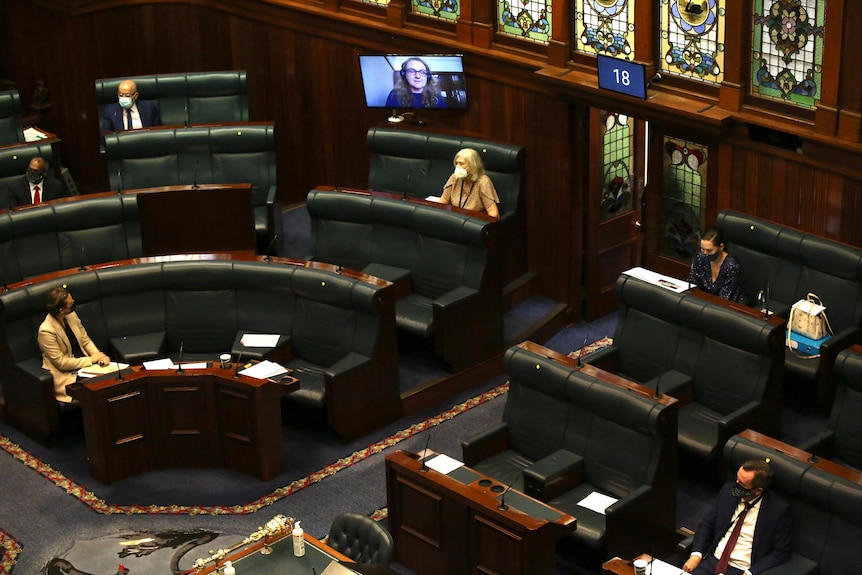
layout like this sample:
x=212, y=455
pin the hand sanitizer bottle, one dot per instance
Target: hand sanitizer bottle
x=229, y=568
x=298, y=541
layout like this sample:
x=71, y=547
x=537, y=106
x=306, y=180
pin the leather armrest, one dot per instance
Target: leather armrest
x=485, y=444
x=553, y=475
x=747, y=415
x=821, y=444
x=606, y=358
x=841, y=340
x=671, y=382
x=350, y=362
x=684, y=546
x=456, y=296
x=641, y=495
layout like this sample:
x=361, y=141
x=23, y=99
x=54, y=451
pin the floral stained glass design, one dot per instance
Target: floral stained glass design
x=683, y=195
x=445, y=9
x=605, y=27
x=617, y=162
x=787, y=50
x=692, y=39
x=529, y=19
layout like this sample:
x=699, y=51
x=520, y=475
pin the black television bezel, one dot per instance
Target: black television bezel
x=395, y=60
x=638, y=90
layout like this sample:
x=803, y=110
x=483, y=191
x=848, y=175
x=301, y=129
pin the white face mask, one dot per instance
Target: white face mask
x=460, y=172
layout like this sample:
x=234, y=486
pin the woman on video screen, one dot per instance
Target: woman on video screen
x=415, y=87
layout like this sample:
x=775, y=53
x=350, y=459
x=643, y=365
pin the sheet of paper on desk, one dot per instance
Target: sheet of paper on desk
x=661, y=568
x=96, y=369
x=156, y=364
x=264, y=370
x=432, y=198
x=259, y=340
x=33, y=134
x=667, y=282
x=443, y=464
x=336, y=568
x=597, y=502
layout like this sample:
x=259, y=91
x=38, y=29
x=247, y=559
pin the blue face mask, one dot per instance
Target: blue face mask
x=126, y=102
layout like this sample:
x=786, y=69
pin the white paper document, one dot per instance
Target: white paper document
x=33, y=134
x=443, y=464
x=659, y=567
x=655, y=278
x=264, y=370
x=156, y=364
x=259, y=340
x=96, y=369
x=432, y=198
x=597, y=502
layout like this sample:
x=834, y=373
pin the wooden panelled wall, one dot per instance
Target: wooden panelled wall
x=301, y=59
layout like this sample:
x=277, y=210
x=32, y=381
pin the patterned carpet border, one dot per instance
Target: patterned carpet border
x=89, y=499
x=10, y=549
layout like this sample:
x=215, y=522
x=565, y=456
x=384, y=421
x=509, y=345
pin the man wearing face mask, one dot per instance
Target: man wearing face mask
x=469, y=187
x=716, y=271
x=748, y=530
x=37, y=185
x=130, y=113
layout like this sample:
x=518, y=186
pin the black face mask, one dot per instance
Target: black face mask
x=713, y=257
x=741, y=492
x=35, y=176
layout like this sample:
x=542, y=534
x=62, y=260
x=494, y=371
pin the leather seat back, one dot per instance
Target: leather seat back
x=11, y=127
x=362, y=539
x=844, y=419
x=15, y=159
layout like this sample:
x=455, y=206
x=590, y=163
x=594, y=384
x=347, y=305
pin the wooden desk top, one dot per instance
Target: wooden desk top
x=138, y=373
x=411, y=199
x=484, y=492
x=830, y=467
x=597, y=373
x=243, y=256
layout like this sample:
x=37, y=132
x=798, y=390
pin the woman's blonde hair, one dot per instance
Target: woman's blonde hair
x=474, y=160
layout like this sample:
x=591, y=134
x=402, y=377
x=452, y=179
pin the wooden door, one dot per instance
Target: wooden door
x=613, y=239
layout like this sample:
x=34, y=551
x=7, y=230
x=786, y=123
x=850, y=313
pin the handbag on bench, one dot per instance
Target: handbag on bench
x=807, y=327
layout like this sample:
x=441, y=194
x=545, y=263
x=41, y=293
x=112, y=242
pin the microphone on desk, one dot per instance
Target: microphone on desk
x=406, y=185
x=581, y=353
x=119, y=179
x=180, y=359
x=657, y=394
x=195, y=185
x=503, y=506
x=267, y=256
x=5, y=285
x=119, y=371
x=185, y=115
x=238, y=365
x=766, y=303
x=83, y=268
x=424, y=467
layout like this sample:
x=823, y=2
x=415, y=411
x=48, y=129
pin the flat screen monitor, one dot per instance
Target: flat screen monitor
x=414, y=81
x=622, y=76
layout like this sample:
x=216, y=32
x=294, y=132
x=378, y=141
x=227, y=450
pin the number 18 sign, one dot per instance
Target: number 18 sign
x=622, y=76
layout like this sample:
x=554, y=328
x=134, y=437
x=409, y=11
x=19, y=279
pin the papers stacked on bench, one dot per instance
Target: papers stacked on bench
x=264, y=370
x=96, y=369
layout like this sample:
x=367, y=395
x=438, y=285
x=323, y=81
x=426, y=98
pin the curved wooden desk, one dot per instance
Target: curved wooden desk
x=142, y=420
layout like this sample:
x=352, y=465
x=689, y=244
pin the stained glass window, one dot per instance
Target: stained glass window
x=787, y=50
x=605, y=27
x=692, y=39
x=529, y=19
x=617, y=162
x=445, y=9
x=683, y=194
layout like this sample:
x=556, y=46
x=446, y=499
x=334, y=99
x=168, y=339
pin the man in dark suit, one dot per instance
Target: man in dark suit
x=747, y=531
x=130, y=113
x=37, y=185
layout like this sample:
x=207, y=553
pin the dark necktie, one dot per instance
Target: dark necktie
x=37, y=197
x=721, y=566
x=129, y=119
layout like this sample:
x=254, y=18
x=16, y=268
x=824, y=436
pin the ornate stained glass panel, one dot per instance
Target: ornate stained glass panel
x=605, y=27
x=787, y=50
x=692, y=39
x=617, y=164
x=444, y=9
x=528, y=19
x=683, y=195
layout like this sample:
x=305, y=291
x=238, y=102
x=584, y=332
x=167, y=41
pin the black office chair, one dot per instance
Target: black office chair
x=361, y=538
